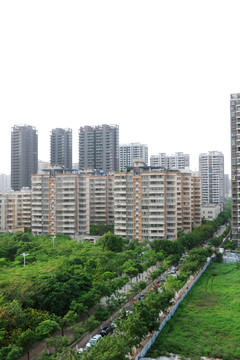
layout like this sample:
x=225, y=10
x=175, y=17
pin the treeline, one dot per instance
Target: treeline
x=175, y=248
x=59, y=284
x=62, y=281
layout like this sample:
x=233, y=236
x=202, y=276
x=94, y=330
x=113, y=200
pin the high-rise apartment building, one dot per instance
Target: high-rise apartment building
x=211, y=167
x=130, y=152
x=153, y=203
x=24, y=155
x=235, y=164
x=68, y=202
x=177, y=161
x=99, y=147
x=61, y=147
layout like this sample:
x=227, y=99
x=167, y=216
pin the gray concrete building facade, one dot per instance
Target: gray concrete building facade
x=61, y=147
x=24, y=155
x=99, y=147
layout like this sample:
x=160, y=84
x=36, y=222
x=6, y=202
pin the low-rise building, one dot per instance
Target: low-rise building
x=211, y=211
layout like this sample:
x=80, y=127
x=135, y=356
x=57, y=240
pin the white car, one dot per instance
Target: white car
x=81, y=350
x=93, y=341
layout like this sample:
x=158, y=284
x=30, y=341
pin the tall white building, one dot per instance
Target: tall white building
x=211, y=167
x=177, y=161
x=130, y=152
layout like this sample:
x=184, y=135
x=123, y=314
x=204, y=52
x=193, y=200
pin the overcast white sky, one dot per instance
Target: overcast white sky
x=162, y=70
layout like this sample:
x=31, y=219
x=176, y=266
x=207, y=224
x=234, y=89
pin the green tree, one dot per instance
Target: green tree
x=77, y=329
x=91, y=323
x=79, y=308
x=219, y=257
x=12, y=316
x=109, y=348
x=69, y=319
x=138, y=324
x=10, y=352
x=112, y=242
x=59, y=343
x=14, y=353
x=101, y=313
x=173, y=283
x=26, y=340
x=129, y=269
x=46, y=327
x=34, y=317
x=100, y=229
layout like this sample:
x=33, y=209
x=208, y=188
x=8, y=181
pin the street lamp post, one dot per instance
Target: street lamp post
x=24, y=257
x=53, y=238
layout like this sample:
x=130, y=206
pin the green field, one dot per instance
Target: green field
x=207, y=323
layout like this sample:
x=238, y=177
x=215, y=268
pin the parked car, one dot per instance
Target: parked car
x=113, y=327
x=114, y=324
x=105, y=331
x=93, y=341
x=80, y=351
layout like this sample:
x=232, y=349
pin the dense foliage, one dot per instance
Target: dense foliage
x=60, y=283
x=144, y=318
x=101, y=229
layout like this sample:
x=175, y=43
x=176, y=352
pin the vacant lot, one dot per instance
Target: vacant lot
x=207, y=323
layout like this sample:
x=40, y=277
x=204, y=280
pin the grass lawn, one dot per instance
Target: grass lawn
x=207, y=323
